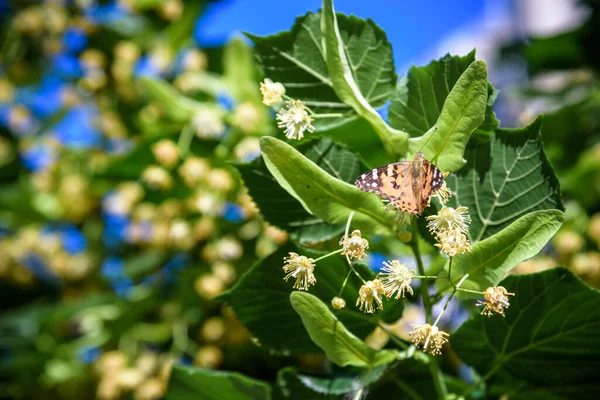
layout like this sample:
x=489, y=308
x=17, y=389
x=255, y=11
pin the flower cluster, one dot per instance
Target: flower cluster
x=450, y=227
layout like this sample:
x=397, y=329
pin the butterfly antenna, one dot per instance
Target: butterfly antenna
x=435, y=128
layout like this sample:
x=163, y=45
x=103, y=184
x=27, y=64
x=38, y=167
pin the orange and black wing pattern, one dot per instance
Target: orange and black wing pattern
x=397, y=184
x=392, y=182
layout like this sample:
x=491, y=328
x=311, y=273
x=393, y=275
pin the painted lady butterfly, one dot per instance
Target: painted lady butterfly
x=408, y=185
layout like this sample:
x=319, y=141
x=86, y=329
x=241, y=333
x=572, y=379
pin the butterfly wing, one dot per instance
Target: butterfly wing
x=431, y=181
x=393, y=182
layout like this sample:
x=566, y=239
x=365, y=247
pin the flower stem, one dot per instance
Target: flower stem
x=426, y=276
x=348, y=223
x=456, y=288
x=329, y=254
x=393, y=336
x=344, y=284
x=471, y=291
x=424, y=290
x=331, y=115
x=185, y=140
x=434, y=368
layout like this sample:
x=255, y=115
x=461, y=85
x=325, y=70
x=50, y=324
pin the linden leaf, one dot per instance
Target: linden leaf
x=548, y=343
x=198, y=383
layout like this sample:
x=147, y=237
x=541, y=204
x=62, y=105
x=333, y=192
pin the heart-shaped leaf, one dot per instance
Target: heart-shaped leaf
x=296, y=58
x=504, y=179
x=549, y=339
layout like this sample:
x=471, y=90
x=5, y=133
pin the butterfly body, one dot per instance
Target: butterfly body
x=408, y=185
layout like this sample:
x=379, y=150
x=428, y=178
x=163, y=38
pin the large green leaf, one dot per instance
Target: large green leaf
x=345, y=76
x=504, y=179
x=322, y=194
x=463, y=112
x=549, y=339
x=294, y=385
x=282, y=209
x=289, y=386
x=196, y=383
x=340, y=345
x=492, y=258
x=420, y=95
x=296, y=58
x=261, y=301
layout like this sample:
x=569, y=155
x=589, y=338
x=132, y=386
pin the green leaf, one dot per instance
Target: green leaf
x=282, y=209
x=321, y=194
x=261, y=301
x=177, y=106
x=296, y=58
x=341, y=346
x=549, y=339
x=290, y=386
x=504, y=179
x=197, y=383
x=345, y=76
x=420, y=95
x=240, y=71
x=490, y=123
x=463, y=111
x=491, y=259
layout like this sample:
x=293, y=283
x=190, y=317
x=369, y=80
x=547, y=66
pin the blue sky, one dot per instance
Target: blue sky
x=413, y=27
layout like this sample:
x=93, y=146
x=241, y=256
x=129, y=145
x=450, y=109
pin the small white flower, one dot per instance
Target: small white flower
x=449, y=218
x=295, y=119
x=371, y=291
x=208, y=124
x=354, y=245
x=271, y=92
x=396, y=278
x=302, y=268
x=166, y=152
x=496, y=300
x=453, y=242
x=430, y=337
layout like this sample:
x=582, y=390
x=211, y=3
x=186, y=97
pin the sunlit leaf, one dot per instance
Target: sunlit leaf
x=463, y=111
x=320, y=193
x=341, y=346
x=491, y=259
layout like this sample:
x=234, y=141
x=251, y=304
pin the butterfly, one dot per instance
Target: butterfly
x=408, y=185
